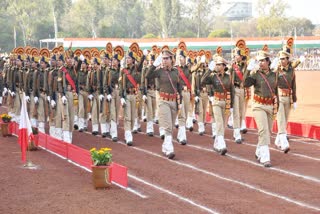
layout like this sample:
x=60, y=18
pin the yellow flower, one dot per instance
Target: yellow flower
x=93, y=149
x=101, y=152
x=107, y=149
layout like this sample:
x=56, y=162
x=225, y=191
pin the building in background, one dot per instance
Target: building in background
x=235, y=10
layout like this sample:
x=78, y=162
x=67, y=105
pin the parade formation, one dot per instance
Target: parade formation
x=65, y=89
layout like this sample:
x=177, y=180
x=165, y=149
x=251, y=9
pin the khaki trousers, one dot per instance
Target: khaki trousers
x=17, y=104
x=83, y=104
x=283, y=114
x=183, y=113
x=139, y=103
x=42, y=117
x=115, y=105
x=219, y=108
x=167, y=115
x=263, y=117
x=151, y=105
x=203, y=104
x=60, y=112
x=238, y=107
x=130, y=112
x=95, y=109
x=67, y=124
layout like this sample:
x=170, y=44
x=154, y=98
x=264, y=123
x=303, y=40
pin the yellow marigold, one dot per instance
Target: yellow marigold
x=101, y=152
x=93, y=149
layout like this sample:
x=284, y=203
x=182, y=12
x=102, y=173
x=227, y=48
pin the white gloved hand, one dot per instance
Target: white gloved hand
x=144, y=97
x=48, y=98
x=145, y=52
x=53, y=103
x=109, y=97
x=5, y=90
x=231, y=110
x=101, y=97
x=123, y=62
x=36, y=99
x=294, y=106
x=158, y=60
x=90, y=97
x=203, y=59
x=211, y=99
x=27, y=98
x=81, y=57
x=64, y=100
x=196, y=99
x=211, y=65
x=251, y=65
x=13, y=94
x=123, y=101
x=274, y=63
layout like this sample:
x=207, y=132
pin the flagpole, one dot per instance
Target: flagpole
x=25, y=133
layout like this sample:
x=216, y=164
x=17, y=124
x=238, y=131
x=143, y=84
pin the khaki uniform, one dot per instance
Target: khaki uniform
x=287, y=96
x=53, y=94
x=9, y=84
x=223, y=97
x=17, y=88
x=237, y=71
x=104, y=106
x=149, y=85
x=263, y=108
x=111, y=87
x=200, y=91
x=167, y=101
x=41, y=89
x=129, y=92
x=82, y=99
x=94, y=84
x=185, y=101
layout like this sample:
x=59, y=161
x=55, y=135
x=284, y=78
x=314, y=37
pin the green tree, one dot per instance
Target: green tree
x=201, y=11
x=149, y=36
x=219, y=33
x=272, y=17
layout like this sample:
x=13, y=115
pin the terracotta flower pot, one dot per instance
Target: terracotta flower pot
x=101, y=176
x=5, y=129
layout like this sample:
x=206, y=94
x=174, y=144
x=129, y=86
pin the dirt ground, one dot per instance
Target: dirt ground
x=198, y=180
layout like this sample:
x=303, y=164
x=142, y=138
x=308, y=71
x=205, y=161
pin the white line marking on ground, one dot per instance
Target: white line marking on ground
x=291, y=153
x=88, y=170
x=174, y=194
x=302, y=204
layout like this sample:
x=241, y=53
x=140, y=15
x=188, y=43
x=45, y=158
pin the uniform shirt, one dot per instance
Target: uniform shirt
x=187, y=74
x=197, y=85
x=261, y=88
x=82, y=80
x=53, y=82
x=148, y=83
x=287, y=73
x=235, y=77
x=111, y=80
x=125, y=85
x=42, y=81
x=213, y=79
x=94, y=82
x=163, y=79
x=29, y=82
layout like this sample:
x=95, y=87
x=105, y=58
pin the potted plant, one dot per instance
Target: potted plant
x=5, y=125
x=5, y=118
x=101, y=169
